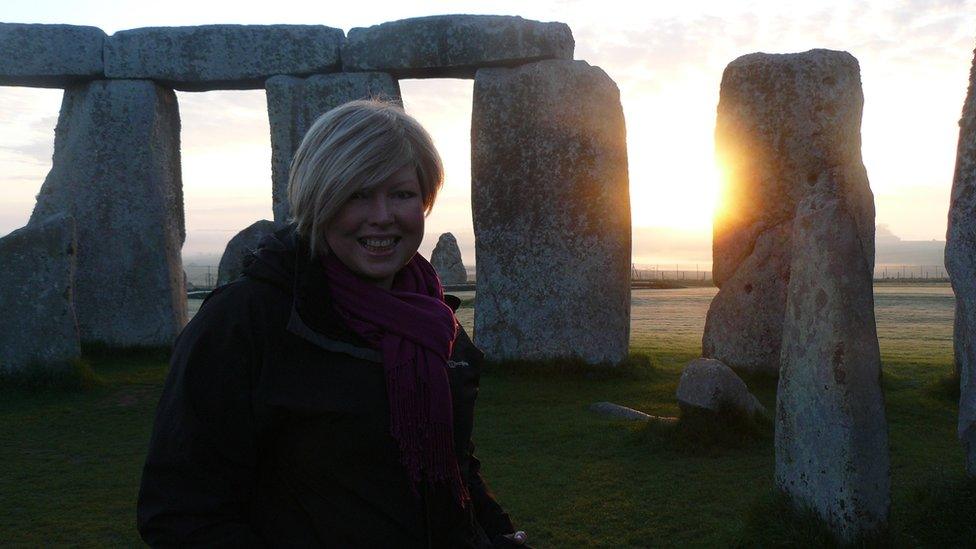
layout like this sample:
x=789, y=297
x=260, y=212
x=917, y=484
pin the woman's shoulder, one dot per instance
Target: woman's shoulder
x=246, y=304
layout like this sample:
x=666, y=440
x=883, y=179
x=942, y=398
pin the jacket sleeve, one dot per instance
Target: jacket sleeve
x=200, y=469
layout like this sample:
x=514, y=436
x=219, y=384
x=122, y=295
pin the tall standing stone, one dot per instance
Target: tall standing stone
x=960, y=262
x=831, y=435
x=446, y=260
x=551, y=212
x=295, y=103
x=38, y=328
x=783, y=121
x=116, y=170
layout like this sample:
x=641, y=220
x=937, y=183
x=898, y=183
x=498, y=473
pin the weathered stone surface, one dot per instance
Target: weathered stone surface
x=215, y=57
x=116, y=170
x=232, y=262
x=454, y=46
x=49, y=56
x=707, y=384
x=551, y=213
x=831, y=434
x=783, y=121
x=446, y=260
x=960, y=262
x=38, y=326
x=295, y=103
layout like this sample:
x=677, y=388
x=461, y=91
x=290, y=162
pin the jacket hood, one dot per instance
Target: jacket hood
x=274, y=258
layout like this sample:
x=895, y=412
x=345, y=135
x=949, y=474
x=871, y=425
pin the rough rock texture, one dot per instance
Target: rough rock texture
x=38, y=326
x=960, y=262
x=707, y=384
x=783, y=121
x=232, y=262
x=49, y=56
x=116, y=170
x=831, y=434
x=295, y=103
x=551, y=213
x=215, y=57
x=446, y=259
x=454, y=46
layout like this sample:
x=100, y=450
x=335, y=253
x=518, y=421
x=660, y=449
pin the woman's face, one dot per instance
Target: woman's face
x=377, y=231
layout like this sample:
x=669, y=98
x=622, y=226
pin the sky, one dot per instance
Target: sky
x=666, y=57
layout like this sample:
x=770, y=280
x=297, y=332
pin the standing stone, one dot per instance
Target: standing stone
x=960, y=262
x=783, y=121
x=295, y=103
x=831, y=436
x=446, y=259
x=116, y=170
x=243, y=243
x=38, y=326
x=551, y=212
x=49, y=56
x=454, y=46
x=221, y=57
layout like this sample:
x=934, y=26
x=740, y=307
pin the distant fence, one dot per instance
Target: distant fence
x=204, y=277
x=911, y=272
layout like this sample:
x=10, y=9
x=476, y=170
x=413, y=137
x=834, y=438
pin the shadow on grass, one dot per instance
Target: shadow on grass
x=942, y=512
x=636, y=366
x=772, y=521
x=704, y=433
x=73, y=375
x=98, y=365
x=946, y=388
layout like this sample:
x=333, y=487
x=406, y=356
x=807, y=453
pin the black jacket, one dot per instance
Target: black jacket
x=273, y=428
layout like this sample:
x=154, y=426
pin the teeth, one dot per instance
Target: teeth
x=378, y=243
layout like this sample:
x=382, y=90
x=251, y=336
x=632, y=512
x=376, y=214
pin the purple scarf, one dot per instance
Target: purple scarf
x=415, y=331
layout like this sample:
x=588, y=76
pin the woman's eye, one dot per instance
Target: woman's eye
x=358, y=195
x=405, y=195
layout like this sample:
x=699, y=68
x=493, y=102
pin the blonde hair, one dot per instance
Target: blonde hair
x=350, y=148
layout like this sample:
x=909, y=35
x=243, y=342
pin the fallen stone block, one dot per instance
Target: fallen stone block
x=221, y=57
x=454, y=46
x=616, y=411
x=49, y=56
x=707, y=384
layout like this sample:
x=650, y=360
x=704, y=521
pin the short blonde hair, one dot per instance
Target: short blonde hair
x=354, y=147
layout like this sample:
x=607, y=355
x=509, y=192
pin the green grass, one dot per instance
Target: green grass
x=70, y=459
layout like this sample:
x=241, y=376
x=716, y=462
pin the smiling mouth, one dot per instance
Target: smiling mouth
x=379, y=244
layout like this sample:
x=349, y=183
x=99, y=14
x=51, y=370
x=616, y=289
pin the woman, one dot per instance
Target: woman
x=326, y=397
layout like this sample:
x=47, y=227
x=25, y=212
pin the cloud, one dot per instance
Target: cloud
x=34, y=152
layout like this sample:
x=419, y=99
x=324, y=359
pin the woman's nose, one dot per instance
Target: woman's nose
x=381, y=211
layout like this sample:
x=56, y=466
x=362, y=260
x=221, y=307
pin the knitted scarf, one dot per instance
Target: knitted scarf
x=415, y=330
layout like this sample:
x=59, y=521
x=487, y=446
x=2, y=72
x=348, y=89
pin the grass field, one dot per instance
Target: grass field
x=70, y=461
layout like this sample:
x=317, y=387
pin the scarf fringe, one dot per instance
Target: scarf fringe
x=426, y=447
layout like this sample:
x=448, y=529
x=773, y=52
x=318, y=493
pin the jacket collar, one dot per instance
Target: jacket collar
x=283, y=259
x=313, y=316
